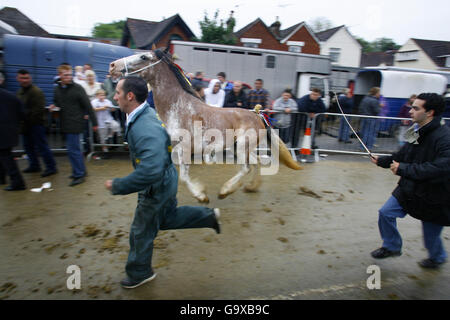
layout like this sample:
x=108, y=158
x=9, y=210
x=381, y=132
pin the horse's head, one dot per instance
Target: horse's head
x=135, y=64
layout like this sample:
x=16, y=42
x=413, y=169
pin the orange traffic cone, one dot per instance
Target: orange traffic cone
x=305, y=151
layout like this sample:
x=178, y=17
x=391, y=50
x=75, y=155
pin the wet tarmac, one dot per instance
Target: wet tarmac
x=306, y=235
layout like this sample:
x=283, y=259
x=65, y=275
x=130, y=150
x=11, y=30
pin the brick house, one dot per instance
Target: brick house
x=142, y=34
x=297, y=38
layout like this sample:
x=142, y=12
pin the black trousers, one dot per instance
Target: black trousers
x=8, y=166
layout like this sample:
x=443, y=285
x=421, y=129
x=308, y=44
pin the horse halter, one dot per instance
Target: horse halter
x=133, y=72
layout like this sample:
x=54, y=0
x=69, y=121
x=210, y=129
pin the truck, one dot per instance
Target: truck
x=278, y=69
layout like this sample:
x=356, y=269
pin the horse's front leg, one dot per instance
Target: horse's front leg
x=195, y=187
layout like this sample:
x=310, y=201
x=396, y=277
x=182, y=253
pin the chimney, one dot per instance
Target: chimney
x=275, y=28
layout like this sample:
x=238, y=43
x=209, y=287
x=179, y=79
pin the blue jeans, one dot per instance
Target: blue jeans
x=387, y=224
x=73, y=142
x=344, y=131
x=369, y=128
x=35, y=141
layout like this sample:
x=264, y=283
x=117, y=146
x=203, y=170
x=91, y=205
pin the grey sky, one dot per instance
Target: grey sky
x=369, y=19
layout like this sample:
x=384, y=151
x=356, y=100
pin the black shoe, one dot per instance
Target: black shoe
x=429, y=264
x=128, y=283
x=47, y=173
x=30, y=170
x=382, y=253
x=17, y=188
x=217, y=223
x=73, y=177
x=76, y=181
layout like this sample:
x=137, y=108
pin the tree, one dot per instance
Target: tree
x=112, y=30
x=320, y=24
x=378, y=45
x=384, y=44
x=215, y=32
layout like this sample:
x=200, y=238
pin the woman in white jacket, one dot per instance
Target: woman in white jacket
x=214, y=95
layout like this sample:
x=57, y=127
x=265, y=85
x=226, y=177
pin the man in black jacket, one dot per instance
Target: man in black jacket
x=75, y=108
x=34, y=138
x=12, y=112
x=236, y=98
x=424, y=187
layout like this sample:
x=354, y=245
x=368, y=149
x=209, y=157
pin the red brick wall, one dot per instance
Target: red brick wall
x=258, y=31
x=176, y=29
x=311, y=46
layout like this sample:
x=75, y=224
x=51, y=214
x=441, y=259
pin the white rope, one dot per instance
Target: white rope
x=133, y=72
x=345, y=117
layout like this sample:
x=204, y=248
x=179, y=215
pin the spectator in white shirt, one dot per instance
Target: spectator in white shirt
x=214, y=95
x=107, y=126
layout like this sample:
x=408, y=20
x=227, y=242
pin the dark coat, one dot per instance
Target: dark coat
x=370, y=106
x=74, y=104
x=231, y=99
x=306, y=104
x=424, y=187
x=34, y=102
x=11, y=114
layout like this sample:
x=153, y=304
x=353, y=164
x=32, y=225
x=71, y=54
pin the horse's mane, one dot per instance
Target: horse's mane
x=179, y=75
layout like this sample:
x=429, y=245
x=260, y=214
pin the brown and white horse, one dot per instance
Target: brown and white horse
x=180, y=109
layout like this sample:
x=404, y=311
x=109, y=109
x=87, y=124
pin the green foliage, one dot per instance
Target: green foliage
x=379, y=45
x=112, y=30
x=214, y=31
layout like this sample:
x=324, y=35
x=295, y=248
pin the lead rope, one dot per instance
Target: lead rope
x=345, y=117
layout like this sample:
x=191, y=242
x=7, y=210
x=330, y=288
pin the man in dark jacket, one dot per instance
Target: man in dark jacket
x=311, y=103
x=155, y=178
x=236, y=98
x=424, y=187
x=34, y=138
x=75, y=108
x=11, y=111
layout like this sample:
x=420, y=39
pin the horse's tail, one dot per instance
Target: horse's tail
x=285, y=155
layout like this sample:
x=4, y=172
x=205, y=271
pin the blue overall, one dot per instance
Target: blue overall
x=156, y=181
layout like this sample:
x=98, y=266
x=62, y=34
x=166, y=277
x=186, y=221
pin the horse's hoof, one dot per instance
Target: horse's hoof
x=250, y=190
x=204, y=199
x=222, y=196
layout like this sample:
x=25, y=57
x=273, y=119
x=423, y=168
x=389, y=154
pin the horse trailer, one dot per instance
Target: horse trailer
x=42, y=56
x=278, y=69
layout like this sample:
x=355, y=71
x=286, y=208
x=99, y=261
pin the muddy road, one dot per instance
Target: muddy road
x=306, y=235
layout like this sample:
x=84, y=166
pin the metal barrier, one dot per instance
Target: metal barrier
x=326, y=131
x=382, y=134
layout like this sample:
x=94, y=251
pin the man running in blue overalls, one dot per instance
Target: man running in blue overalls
x=156, y=181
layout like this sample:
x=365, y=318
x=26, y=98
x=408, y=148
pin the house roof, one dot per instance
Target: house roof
x=374, y=59
x=435, y=49
x=24, y=25
x=145, y=33
x=240, y=32
x=327, y=34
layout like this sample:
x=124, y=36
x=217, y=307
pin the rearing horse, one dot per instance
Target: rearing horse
x=180, y=108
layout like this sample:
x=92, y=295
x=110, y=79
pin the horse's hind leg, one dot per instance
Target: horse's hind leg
x=234, y=183
x=255, y=181
x=195, y=187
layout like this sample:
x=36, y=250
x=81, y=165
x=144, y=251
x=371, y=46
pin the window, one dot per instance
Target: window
x=407, y=55
x=447, y=62
x=270, y=62
x=251, y=42
x=250, y=45
x=296, y=49
x=295, y=46
x=175, y=37
x=335, y=54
